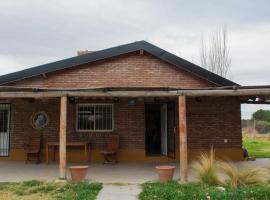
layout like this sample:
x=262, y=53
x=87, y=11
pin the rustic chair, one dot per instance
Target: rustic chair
x=110, y=154
x=32, y=147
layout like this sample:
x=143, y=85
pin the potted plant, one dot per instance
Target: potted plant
x=78, y=173
x=165, y=173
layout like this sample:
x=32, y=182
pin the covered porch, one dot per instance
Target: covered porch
x=180, y=95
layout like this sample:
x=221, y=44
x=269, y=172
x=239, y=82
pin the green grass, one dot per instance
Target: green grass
x=258, y=148
x=39, y=190
x=175, y=191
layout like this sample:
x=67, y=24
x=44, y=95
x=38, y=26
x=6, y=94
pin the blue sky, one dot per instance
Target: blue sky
x=35, y=32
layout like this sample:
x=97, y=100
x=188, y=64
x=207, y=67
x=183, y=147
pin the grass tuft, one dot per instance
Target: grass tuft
x=242, y=176
x=206, y=170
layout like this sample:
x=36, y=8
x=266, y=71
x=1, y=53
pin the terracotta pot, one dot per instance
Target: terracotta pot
x=165, y=173
x=78, y=173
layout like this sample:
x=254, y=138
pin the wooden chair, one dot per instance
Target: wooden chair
x=32, y=147
x=110, y=154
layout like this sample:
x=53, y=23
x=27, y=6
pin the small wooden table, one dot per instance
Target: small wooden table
x=85, y=145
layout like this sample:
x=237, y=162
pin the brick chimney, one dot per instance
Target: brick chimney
x=82, y=52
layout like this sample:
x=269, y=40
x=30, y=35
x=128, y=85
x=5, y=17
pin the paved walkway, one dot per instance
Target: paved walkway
x=119, y=192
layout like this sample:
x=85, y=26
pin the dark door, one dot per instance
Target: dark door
x=152, y=129
x=171, y=129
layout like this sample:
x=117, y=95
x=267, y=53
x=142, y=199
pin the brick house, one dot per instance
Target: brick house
x=132, y=90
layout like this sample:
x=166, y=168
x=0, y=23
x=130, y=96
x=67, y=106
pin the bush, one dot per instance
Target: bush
x=242, y=176
x=263, y=126
x=206, y=170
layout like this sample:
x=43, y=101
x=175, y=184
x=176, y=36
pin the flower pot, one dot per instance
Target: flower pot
x=78, y=173
x=165, y=173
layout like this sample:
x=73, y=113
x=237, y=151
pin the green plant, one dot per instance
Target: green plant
x=40, y=190
x=193, y=191
x=206, y=170
x=263, y=127
x=79, y=191
x=259, y=148
x=261, y=114
x=242, y=176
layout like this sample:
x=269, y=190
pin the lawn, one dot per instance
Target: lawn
x=176, y=191
x=49, y=190
x=258, y=148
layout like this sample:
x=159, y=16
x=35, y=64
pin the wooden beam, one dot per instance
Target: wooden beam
x=183, y=139
x=133, y=93
x=256, y=102
x=55, y=94
x=62, y=137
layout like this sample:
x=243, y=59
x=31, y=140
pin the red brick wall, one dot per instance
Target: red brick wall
x=209, y=122
x=127, y=70
x=128, y=123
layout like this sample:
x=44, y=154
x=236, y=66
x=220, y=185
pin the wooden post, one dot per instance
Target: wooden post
x=183, y=139
x=62, y=137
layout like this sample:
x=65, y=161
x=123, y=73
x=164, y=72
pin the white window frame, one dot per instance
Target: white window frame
x=94, y=104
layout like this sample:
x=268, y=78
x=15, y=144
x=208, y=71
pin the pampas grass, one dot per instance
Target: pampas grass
x=241, y=176
x=206, y=170
x=216, y=172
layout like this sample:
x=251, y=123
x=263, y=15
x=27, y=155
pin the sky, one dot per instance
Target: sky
x=34, y=32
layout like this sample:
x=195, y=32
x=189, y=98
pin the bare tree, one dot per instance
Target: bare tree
x=216, y=57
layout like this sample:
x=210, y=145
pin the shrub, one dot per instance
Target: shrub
x=205, y=169
x=245, y=175
x=263, y=126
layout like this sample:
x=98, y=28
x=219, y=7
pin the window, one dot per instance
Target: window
x=4, y=129
x=94, y=117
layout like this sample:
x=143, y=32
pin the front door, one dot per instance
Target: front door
x=4, y=129
x=153, y=129
x=156, y=134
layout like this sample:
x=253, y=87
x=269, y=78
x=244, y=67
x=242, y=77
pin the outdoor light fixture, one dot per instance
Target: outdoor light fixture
x=115, y=99
x=71, y=99
x=131, y=102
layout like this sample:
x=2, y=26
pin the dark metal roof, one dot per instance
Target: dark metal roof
x=116, y=51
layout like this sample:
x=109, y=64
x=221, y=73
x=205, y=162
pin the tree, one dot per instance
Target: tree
x=216, y=56
x=262, y=115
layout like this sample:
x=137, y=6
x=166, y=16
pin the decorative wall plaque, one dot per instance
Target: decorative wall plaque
x=39, y=120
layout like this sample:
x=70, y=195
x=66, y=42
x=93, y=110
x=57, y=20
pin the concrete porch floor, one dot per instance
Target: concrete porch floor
x=13, y=171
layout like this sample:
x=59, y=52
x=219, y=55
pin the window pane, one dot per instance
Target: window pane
x=101, y=117
x=94, y=117
x=3, y=120
x=85, y=117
